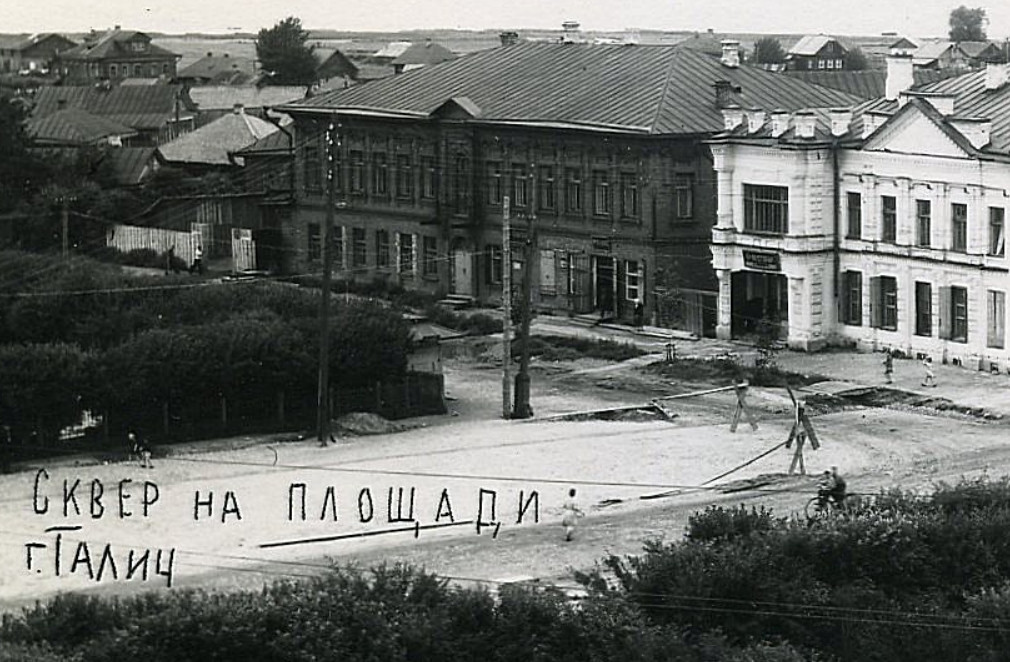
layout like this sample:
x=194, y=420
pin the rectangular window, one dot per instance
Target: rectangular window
x=855, y=207
x=766, y=209
x=601, y=193
x=427, y=178
x=359, y=249
x=380, y=174
x=494, y=185
x=683, y=196
x=923, y=309
x=573, y=190
x=357, y=172
x=314, y=244
x=545, y=188
x=406, y=257
x=382, y=249
x=959, y=227
x=996, y=307
x=632, y=280
x=923, y=215
x=313, y=169
x=548, y=273
x=889, y=220
x=494, y=264
x=461, y=184
x=629, y=195
x=337, y=246
x=959, y=314
x=520, y=183
x=430, y=263
x=404, y=177
x=852, y=304
x=884, y=302
x=997, y=231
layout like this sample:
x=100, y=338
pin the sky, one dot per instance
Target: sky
x=921, y=18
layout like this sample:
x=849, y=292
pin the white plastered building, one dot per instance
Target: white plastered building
x=880, y=226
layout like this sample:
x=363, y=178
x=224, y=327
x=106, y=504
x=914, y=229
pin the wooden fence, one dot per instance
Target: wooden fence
x=134, y=237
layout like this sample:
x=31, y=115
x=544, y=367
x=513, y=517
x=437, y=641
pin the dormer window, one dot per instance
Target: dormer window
x=138, y=46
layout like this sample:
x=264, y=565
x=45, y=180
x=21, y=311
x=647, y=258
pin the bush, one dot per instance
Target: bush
x=42, y=388
x=718, y=523
x=568, y=348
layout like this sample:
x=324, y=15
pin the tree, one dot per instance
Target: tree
x=768, y=50
x=20, y=172
x=284, y=55
x=968, y=24
x=856, y=60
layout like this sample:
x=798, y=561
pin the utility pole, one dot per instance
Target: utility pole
x=65, y=227
x=506, y=248
x=323, y=402
x=522, y=407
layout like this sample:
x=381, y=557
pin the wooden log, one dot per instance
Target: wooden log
x=693, y=394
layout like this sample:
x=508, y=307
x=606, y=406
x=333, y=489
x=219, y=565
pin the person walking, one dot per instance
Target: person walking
x=134, y=443
x=929, y=379
x=197, y=265
x=888, y=366
x=570, y=515
x=144, y=451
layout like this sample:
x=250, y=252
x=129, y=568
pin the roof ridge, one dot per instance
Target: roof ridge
x=666, y=86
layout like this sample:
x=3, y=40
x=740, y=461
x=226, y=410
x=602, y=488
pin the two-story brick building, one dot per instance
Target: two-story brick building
x=597, y=148
x=115, y=55
x=882, y=225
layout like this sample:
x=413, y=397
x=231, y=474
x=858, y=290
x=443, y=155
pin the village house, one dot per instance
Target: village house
x=214, y=101
x=595, y=148
x=157, y=113
x=116, y=55
x=814, y=52
x=882, y=225
x=940, y=55
x=31, y=54
x=421, y=55
x=218, y=70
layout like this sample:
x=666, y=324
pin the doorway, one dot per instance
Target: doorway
x=760, y=303
x=605, y=285
x=462, y=272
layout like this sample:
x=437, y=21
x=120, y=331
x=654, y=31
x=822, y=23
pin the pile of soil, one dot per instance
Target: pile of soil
x=358, y=424
x=897, y=399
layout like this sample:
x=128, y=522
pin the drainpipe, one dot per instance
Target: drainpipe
x=836, y=195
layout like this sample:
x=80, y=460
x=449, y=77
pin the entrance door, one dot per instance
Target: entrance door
x=760, y=300
x=462, y=267
x=580, y=283
x=605, y=285
x=243, y=249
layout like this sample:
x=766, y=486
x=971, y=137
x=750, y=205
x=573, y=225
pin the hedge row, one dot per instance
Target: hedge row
x=387, y=615
x=899, y=578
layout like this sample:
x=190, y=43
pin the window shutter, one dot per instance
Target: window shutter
x=846, y=298
x=561, y=272
x=857, y=290
x=946, y=319
x=876, y=303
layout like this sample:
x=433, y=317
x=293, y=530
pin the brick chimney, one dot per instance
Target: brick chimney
x=977, y=130
x=730, y=53
x=899, y=76
x=725, y=93
x=238, y=109
x=570, y=33
x=509, y=38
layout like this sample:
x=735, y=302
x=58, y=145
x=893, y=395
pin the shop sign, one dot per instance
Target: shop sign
x=762, y=260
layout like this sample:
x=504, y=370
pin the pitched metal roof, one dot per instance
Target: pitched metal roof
x=139, y=106
x=931, y=51
x=424, y=54
x=212, y=143
x=277, y=143
x=224, y=97
x=74, y=126
x=810, y=44
x=130, y=165
x=24, y=42
x=220, y=68
x=392, y=49
x=867, y=84
x=110, y=45
x=640, y=89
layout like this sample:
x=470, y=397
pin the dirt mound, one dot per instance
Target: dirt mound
x=358, y=424
x=897, y=399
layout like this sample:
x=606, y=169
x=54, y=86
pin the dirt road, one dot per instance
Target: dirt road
x=235, y=518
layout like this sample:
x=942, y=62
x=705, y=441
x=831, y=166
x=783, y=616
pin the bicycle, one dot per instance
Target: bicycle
x=821, y=506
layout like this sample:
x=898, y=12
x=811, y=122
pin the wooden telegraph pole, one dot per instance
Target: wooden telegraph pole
x=522, y=408
x=323, y=400
x=506, y=239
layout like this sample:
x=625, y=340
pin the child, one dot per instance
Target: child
x=144, y=451
x=571, y=514
x=930, y=379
